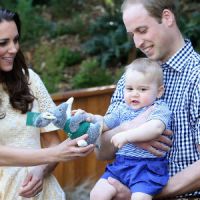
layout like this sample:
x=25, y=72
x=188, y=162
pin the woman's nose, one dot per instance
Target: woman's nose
x=13, y=48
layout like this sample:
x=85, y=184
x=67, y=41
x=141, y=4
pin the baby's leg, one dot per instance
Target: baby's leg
x=102, y=190
x=141, y=196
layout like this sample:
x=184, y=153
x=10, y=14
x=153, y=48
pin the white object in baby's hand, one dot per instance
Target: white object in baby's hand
x=82, y=143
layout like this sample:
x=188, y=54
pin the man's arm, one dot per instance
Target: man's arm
x=187, y=180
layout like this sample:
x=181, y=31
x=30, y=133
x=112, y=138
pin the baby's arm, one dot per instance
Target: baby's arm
x=97, y=118
x=145, y=132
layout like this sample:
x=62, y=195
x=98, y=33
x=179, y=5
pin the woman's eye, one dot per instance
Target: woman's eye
x=3, y=43
x=16, y=40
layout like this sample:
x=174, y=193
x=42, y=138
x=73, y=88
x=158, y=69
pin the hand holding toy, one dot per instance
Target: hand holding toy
x=75, y=126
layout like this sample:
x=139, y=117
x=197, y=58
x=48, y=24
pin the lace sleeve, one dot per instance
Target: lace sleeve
x=43, y=98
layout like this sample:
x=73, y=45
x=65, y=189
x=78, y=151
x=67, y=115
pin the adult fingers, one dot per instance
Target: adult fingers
x=151, y=147
x=27, y=180
x=164, y=140
x=32, y=188
x=168, y=132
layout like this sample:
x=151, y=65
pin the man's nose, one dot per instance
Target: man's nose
x=138, y=41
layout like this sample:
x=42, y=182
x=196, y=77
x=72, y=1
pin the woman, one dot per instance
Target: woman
x=22, y=90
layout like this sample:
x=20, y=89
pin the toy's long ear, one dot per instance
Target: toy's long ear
x=69, y=108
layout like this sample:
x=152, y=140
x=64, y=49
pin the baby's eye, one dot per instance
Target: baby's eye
x=143, y=89
x=129, y=89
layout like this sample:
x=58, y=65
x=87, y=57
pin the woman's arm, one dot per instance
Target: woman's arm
x=10, y=156
x=65, y=151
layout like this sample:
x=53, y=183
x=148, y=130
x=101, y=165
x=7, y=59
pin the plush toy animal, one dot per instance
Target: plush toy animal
x=74, y=126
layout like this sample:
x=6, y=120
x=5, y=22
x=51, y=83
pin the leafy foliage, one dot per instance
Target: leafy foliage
x=109, y=41
x=91, y=74
x=44, y=65
x=64, y=8
x=74, y=26
x=65, y=57
x=8, y=4
x=189, y=21
x=33, y=25
x=50, y=64
x=105, y=44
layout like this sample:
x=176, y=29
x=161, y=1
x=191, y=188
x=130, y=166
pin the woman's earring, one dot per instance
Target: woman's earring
x=2, y=114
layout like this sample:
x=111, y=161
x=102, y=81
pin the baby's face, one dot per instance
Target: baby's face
x=140, y=91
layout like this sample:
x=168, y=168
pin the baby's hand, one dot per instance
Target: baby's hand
x=119, y=140
x=89, y=117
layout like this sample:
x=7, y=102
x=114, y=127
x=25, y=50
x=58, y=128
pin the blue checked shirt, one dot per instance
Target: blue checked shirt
x=182, y=94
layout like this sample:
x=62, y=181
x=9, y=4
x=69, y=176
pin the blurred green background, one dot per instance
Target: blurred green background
x=83, y=43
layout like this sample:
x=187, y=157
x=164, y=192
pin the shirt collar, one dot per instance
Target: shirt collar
x=177, y=61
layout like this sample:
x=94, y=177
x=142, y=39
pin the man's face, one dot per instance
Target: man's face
x=148, y=34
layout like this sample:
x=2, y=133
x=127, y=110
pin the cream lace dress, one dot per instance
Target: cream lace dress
x=15, y=133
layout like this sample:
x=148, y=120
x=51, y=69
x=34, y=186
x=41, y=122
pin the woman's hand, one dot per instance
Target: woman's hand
x=33, y=183
x=69, y=150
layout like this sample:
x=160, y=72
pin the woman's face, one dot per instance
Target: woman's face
x=9, y=44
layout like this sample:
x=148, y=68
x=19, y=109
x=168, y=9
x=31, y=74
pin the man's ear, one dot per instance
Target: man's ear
x=161, y=90
x=168, y=17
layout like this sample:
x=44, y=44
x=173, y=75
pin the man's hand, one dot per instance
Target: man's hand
x=123, y=193
x=33, y=183
x=157, y=146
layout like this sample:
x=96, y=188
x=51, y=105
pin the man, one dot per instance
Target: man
x=152, y=24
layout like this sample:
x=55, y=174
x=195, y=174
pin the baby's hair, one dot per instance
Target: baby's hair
x=150, y=68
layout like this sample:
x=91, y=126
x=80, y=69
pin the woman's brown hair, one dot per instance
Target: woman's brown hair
x=15, y=82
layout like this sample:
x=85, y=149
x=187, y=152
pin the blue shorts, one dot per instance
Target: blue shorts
x=146, y=175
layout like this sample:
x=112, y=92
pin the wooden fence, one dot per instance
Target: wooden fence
x=94, y=100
